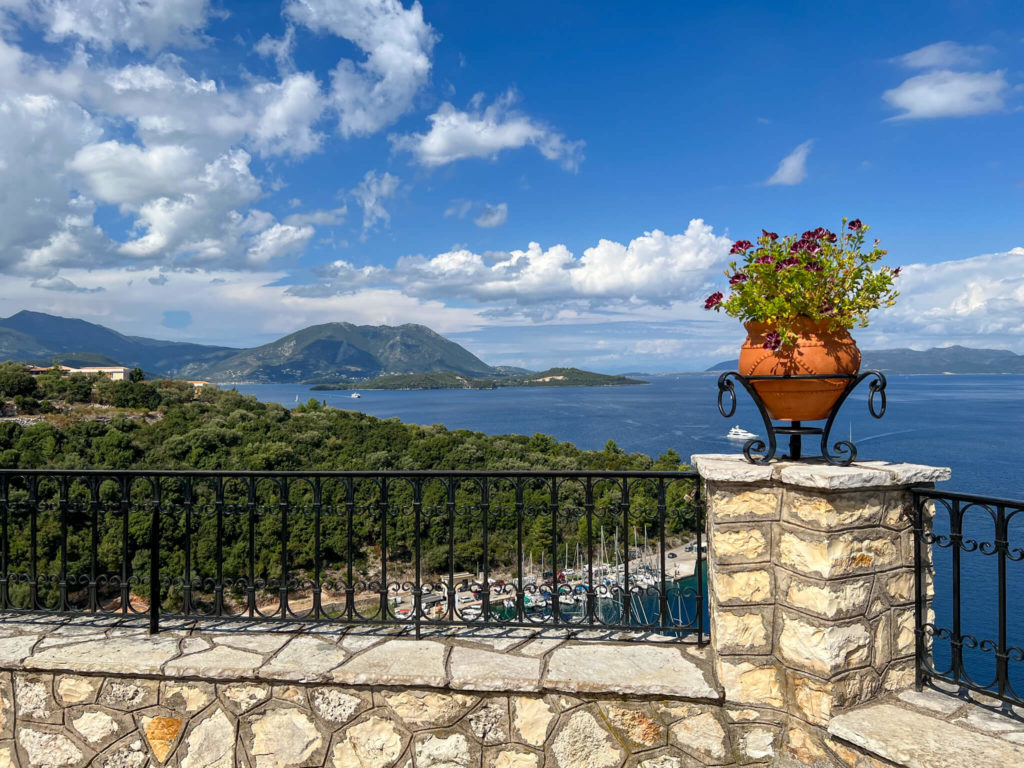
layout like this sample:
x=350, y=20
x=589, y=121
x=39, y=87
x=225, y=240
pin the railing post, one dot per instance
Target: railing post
x=811, y=573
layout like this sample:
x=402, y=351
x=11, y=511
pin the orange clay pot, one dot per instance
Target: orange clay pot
x=818, y=350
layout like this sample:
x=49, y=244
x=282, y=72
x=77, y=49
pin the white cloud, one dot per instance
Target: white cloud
x=793, y=167
x=371, y=193
x=126, y=173
x=457, y=135
x=62, y=284
x=136, y=24
x=492, y=215
x=371, y=94
x=289, y=111
x=459, y=208
x=977, y=301
x=945, y=93
x=277, y=241
x=943, y=55
x=322, y=218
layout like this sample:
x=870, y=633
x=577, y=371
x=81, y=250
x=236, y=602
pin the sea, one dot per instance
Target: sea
x=973, y=424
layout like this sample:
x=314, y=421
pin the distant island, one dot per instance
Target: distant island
x=955, y=359
x=329, y=356
x=553, y=377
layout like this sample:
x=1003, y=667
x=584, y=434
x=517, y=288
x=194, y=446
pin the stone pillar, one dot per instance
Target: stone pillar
x=810, y=584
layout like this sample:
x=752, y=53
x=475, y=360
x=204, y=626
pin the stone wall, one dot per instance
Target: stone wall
x=811, y=588
x=811, y=604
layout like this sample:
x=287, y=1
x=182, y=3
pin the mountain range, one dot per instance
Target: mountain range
x=954, y=359
x=331, y=351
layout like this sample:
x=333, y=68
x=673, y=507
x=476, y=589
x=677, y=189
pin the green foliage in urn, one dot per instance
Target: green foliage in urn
x=818, y=275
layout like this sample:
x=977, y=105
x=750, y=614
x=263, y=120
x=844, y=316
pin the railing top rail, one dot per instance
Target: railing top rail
x=471, y=473
x=937, y=493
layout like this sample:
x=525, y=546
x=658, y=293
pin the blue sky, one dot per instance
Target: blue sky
x=547, y=183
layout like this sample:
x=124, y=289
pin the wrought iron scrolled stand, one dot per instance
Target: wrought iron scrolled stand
x=843, y=452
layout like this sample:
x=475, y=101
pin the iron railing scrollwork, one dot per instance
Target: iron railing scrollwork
x=975, y=643
x=605, y=550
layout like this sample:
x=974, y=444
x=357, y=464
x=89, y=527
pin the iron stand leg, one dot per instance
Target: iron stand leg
x=794, y=443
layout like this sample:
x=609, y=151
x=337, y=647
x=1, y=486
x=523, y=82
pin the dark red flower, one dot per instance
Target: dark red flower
x=772, y=341
x=896, y=272
x=829, y=236
x=739, y=277
x=770, y=235
x=741, y=246
x=813, y=266
x=808, y=235
x=819, y=233
x=713, y=300
x=812, y=248
x=765, y=259
x=792, y=261
x=855, y=225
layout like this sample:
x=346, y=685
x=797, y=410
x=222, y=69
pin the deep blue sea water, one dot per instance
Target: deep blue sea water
x=973, y=424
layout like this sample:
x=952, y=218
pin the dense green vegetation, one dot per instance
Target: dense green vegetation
x=96, y=423
x=553, y=377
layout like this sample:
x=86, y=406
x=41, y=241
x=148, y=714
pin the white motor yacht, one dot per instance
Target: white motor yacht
x=355, y=394
x=738, y=433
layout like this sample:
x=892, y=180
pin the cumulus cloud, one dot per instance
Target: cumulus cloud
x=136, y=24
x=459, y=208
x=492, y=215
x=288, y=111
x=456, y=135
x=127, y=173
x=371, y=193
x=976, y=301
x=945, y=93
x=793, y=167
x=397, y=42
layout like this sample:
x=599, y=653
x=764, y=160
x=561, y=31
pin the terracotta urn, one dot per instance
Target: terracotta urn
x=818, y=350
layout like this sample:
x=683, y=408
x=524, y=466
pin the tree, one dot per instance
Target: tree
x=136, y=375
x=16, y=380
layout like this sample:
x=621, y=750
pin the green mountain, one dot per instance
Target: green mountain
x=42, y=338
x=332, y=351
x=955, y=359
x=343, y=350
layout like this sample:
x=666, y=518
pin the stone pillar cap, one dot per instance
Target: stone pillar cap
x=734, y=468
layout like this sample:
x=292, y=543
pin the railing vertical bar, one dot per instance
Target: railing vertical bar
x=284, y=504
x=154, y=558
x=556, y=613
x=1002, y=654
x=588, y=508
x=350, y=556
x=126, y=489
x=33, y=585
x=186, y=585
x=5, y=506
x=62, y=581
x=251, y=510
x=384, y=500
x=417, y=586
x=317, y=554
x=956, y=537
x=664, y=618
x=485, y=508
x=627, y=594
x=94, y=544
x=218, y=584
x=520, y=592
x=698, y=499
x=450, y=503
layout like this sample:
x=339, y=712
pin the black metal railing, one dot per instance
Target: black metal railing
x=969, y=626
x=582, y=550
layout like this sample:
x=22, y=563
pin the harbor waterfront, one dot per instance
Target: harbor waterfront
x=967, y=422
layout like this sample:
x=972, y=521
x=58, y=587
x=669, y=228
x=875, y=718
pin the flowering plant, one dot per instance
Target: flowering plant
x=818, y=275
